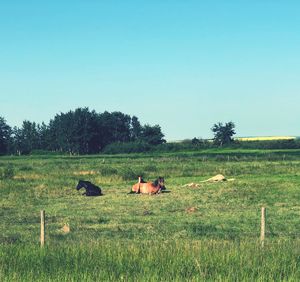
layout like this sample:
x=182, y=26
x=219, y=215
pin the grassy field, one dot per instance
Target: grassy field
x=189, y=234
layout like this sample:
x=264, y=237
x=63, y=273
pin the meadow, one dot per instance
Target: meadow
x=205, y=233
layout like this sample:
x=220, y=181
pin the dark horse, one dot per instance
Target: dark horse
x=90, y=188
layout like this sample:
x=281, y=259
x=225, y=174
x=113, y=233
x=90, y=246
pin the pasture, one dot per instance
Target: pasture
x=206, y=233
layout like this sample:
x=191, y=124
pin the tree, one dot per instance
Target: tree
x=195, y=141
x=114, y=127
x=223, y=133
x=152, y=135
x=78, y=132
x=75, y=132
x=135, y=129
x=5, y=136
x=26, y=138
x=44, y=137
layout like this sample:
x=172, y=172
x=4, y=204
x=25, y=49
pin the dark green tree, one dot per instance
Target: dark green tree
x=114, y=127
x=120, y=125
x=152, y=135
x=5, y=136
x=72, y=132
x=84, y=130
x=43, y=136
x=195, y=141
x=223, y=133
x=135, y=129
x=26, y=138
x=81, y=132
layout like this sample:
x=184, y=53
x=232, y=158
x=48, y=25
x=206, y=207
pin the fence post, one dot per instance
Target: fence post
x=263, y=226
x=42, y=228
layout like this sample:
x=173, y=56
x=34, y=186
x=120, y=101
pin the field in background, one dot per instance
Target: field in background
x=206, y=233
x=265, y=138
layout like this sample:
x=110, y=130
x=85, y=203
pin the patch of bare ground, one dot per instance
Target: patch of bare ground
x=31, y=176
x=85, y=172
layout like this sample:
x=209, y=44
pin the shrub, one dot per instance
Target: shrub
x=124, y=148
x=190, y=145
x=128, y=173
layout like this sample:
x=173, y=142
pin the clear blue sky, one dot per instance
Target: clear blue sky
x=184, y=65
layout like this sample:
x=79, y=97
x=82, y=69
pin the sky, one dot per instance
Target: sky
x=184, y=65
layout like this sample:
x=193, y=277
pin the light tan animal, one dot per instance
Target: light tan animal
x=149, y=187
x=216, y=178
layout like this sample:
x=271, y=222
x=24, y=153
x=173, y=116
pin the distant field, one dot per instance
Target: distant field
x=207, y=233
x=266, y=138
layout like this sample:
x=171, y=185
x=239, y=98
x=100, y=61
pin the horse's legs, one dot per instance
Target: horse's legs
x=86, y=192
x=156, y=192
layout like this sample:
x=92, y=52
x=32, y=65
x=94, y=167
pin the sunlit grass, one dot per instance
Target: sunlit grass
x=195, y=234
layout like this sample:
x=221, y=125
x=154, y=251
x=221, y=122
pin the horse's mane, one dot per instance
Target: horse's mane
x=156, y=181
x=84, y=182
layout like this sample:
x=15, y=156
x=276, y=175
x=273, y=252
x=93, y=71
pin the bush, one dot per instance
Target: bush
x=125, y=148
x=186, y=145
x=129, y=174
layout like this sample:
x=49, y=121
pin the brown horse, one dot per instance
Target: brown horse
x=149, y=187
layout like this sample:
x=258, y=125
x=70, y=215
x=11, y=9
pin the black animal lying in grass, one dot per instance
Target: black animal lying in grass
x=90, y=188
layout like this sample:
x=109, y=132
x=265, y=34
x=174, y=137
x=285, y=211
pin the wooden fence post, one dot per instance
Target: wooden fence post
x=263, y=226
x=42, y=228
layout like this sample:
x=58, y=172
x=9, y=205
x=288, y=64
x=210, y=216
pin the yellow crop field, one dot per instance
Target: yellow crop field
x=266, y=138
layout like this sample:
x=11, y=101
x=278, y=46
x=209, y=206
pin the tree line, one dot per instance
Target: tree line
x=87, y=132
x=77, y=132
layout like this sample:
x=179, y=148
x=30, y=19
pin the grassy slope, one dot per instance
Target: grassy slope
x=120, y=230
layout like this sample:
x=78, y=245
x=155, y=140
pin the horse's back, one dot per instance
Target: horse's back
x=96, y=190
x=148, y=188
x=93, y=190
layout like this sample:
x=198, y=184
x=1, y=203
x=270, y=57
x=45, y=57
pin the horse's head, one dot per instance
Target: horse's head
x=80, y=185
x=160, y=181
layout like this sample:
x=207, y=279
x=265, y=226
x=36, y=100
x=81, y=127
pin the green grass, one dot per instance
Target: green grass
x=182, y=260
x=151, y=238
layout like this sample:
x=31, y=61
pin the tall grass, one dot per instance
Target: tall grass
x=178, y=260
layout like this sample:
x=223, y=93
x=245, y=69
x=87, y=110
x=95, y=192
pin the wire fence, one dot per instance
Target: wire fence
x=223, y=223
